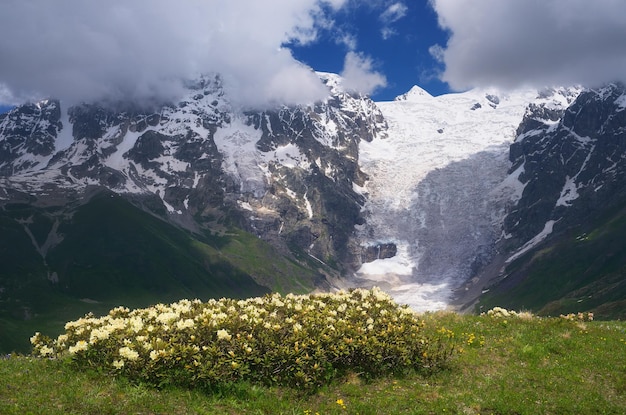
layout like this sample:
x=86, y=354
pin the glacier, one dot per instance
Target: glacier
x=438, y=189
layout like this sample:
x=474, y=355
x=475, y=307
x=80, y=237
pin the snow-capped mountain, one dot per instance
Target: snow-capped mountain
x=289, y=173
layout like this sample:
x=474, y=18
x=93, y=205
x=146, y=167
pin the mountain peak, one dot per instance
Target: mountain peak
x=414, y=94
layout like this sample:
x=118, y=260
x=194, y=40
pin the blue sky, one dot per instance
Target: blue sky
x=399, y=49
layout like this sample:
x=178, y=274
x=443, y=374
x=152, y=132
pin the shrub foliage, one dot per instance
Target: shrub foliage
x=301, y=341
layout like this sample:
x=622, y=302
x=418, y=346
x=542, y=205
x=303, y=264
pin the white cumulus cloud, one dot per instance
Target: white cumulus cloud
x=86, y=49
x=359, y=75
x=511, y=43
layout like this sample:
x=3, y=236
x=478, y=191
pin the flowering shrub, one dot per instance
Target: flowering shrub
x=301, y=341
x=578, y=316
x=499, y=312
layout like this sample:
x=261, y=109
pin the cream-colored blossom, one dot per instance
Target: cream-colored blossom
x=223, y=334
x=167, y=317
x=46, y=351
x=156, y=354
x=128, y=353
x=62, y=340
x=221, y=317
x=100, y=333
x=185, y=324
x=136, y=324
x=35, y=339
x=79, y=346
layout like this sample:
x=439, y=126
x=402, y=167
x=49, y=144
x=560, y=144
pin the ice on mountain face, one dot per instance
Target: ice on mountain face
x=289, y=156
x=568, y=194
x=64, y=137
x=437, y=188
x=621, y=102
x=237, y=142
x=116, y=160
x=547, y=230
x=511, y=188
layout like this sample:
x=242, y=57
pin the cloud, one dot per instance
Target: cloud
x=392, y=14
x=347, y=39
x=86, y=49
x=437, y=52
x=359, y=76
x=532, y=42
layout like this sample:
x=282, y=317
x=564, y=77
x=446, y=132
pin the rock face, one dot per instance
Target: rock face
x=571, y=163
x=380, y=251
x=29, y=130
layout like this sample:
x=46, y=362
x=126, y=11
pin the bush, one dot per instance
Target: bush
x=300, y=341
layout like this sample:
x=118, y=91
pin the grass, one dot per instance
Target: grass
x=507, y=366
x=260, y=260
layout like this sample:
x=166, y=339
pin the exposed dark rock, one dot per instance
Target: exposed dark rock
x=30, y=129
x=572, y=160
x=380, y=251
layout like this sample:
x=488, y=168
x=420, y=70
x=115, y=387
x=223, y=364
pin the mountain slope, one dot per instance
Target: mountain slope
x=568, y=226
x=286, y=172
x=583, y=270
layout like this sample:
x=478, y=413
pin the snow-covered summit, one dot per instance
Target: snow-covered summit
x=415, y=93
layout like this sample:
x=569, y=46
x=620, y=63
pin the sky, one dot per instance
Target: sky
x=80, y=50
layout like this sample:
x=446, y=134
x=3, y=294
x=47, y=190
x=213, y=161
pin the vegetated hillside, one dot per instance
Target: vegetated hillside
x=584, y=270
x=106, y=252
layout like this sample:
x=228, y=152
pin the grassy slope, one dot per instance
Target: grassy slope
x=116, y=254
x=584, y=271
x=113, y=250
x=514, y=366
